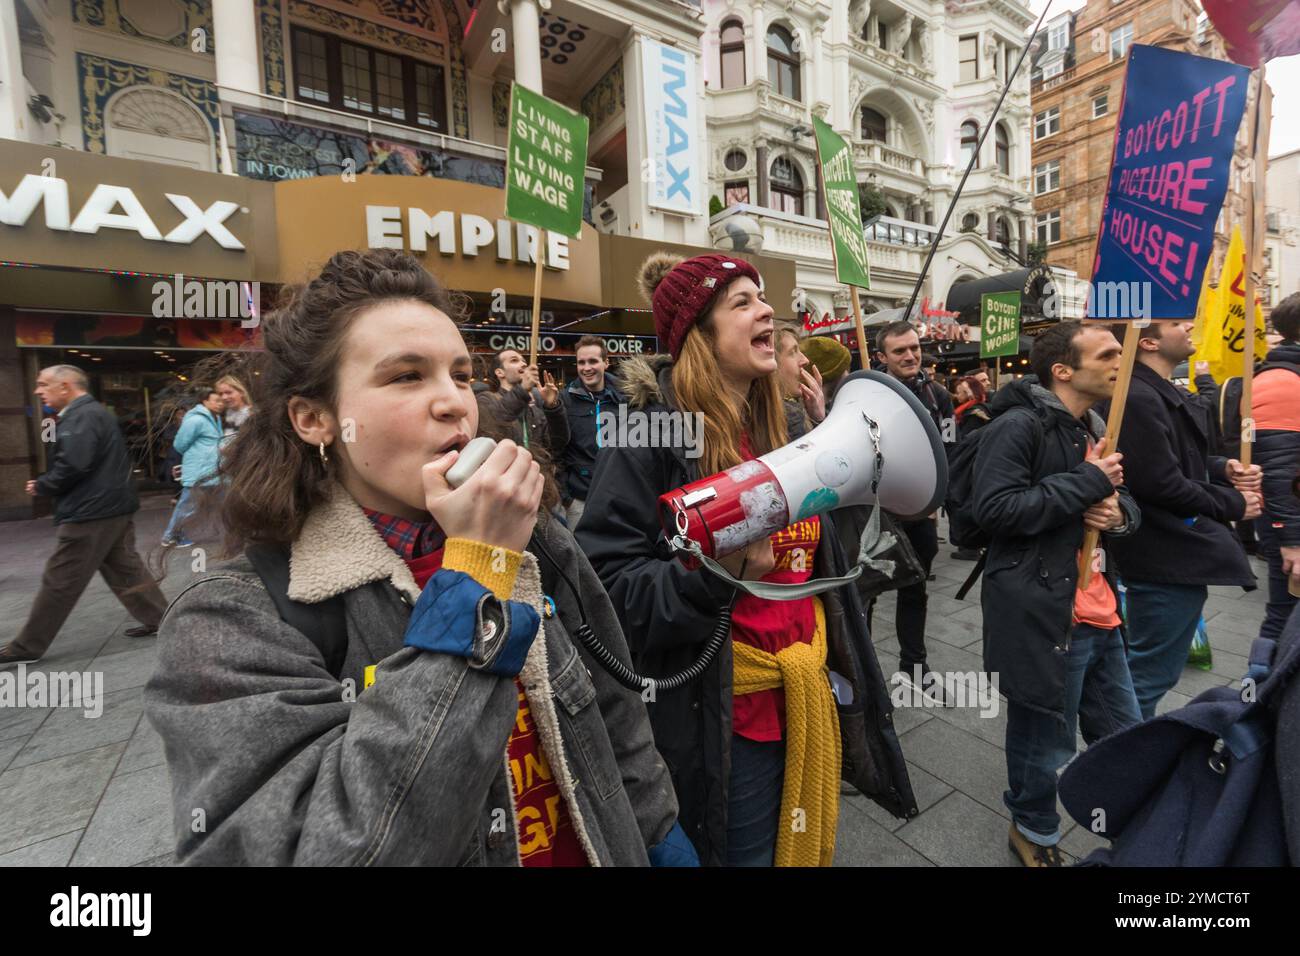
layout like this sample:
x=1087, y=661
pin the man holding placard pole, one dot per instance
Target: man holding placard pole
x=1170, y=165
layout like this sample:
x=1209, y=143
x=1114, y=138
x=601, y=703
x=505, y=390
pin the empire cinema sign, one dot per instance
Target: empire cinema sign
x=469, y=234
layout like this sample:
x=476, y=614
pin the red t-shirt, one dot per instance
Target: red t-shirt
x=546, y=833
x=774, y=625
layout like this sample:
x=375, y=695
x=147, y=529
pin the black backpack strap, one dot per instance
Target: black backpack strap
x=323, y=624
x=974, y=575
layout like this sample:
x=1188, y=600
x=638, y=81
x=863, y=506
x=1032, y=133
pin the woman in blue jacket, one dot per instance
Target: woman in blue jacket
x=198, y=442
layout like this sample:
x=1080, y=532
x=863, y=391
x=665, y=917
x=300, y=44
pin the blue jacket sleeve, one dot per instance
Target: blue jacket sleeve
x=186, y=434
x=458, y=616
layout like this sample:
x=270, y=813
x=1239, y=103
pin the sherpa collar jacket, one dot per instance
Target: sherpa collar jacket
x=274, y=761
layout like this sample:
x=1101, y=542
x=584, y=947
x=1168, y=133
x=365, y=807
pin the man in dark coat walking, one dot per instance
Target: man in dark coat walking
x=1042, y=477
x=1187, y=498
x=90, y=478
x=898, y=347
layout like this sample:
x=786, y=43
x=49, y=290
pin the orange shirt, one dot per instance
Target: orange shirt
x=1096, y=605
x=1275, y=401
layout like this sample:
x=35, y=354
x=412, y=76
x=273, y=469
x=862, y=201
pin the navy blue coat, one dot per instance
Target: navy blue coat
x=1183, y=492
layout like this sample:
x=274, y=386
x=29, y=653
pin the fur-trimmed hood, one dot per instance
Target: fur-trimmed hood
x=647, y=380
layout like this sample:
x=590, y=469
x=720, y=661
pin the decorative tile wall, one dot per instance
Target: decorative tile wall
x=101, y=77
x=107, y=15
x=605, y=99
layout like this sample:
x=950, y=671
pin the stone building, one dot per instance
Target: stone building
x=909, y=84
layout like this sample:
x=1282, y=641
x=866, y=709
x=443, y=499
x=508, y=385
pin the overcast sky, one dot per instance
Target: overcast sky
x=1282, y=74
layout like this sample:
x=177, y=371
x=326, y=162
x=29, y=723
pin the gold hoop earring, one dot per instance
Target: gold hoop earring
x=324, y=458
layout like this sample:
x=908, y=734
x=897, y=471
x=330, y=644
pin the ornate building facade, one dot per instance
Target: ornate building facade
x=910, y=85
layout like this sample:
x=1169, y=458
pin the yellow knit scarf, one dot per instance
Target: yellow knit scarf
x=810, y=799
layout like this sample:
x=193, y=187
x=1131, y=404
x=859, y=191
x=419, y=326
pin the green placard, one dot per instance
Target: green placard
x=843, y=211
x=999, y=324
x=546, y=158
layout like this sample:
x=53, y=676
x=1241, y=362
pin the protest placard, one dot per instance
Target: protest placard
x=1169, y=172
x=546, y=161
x=844, y=214
x=546, y=158
x=844, y=217
x=999, y=324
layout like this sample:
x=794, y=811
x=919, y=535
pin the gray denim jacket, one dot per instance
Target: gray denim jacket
x=274, y=762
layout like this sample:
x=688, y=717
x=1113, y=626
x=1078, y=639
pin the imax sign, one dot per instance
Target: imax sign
x=115, y=207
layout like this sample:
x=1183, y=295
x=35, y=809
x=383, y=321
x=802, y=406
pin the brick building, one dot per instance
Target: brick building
x=1076, y=87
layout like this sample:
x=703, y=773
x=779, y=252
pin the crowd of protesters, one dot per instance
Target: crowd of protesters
x=395, y=667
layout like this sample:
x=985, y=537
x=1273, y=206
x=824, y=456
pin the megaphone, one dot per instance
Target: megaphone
x=878, y=443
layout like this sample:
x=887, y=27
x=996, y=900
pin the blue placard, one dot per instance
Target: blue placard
x=1169, y=173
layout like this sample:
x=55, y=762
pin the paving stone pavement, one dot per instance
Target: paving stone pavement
x=95, y=792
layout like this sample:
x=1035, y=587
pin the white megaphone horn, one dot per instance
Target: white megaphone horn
x=879, y=443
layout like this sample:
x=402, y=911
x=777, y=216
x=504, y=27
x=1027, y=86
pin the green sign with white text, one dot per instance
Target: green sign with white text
x=842, y=209
x=999, y=324
x=546, y=158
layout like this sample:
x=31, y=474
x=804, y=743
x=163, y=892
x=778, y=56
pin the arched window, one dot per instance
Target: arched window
x=147, y=122
x=873, y=124
x=786, y=187
x=782, y=62
x=970, y=137
x=731, y=53
x=1003, y=148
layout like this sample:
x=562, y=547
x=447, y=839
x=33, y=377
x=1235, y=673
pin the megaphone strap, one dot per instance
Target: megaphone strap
x=872, y=543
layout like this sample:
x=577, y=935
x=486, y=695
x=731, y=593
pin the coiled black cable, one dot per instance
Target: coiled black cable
x=620, y=671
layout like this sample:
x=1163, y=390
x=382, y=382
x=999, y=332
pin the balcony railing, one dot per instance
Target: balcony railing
x=1042, y=85
x=875, y=152
x=892, y=62
x=894, y=244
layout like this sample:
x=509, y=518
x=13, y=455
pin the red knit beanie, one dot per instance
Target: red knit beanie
x=680, y=291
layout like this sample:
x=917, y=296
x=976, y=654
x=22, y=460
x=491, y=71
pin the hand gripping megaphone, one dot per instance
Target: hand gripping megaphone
x=877, y=445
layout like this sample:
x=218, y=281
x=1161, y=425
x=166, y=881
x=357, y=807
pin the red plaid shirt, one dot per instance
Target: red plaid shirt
x=410, y=539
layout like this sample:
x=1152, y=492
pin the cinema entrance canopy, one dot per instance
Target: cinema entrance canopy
x=94, y=234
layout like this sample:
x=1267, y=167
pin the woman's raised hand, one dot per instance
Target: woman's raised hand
x=497, y=505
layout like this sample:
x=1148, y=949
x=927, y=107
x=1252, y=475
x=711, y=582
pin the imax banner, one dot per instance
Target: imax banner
x=672, y=128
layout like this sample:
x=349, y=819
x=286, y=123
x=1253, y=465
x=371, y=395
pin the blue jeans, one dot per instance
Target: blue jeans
x=1280, y=600
x=180, y=514
x=754, y=800
x=1099, y=700
x=1161, y=620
